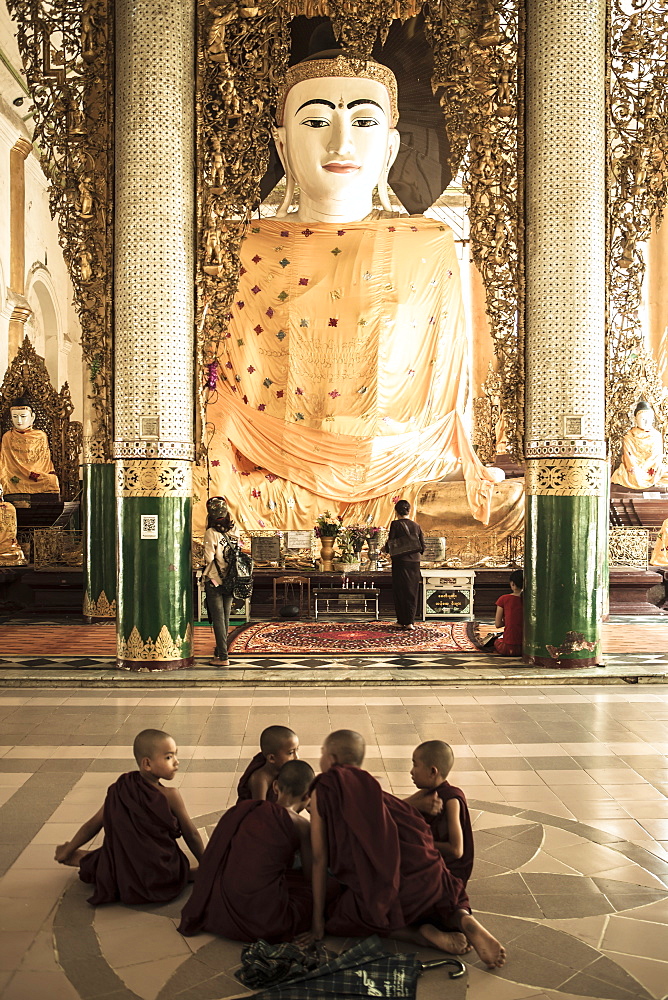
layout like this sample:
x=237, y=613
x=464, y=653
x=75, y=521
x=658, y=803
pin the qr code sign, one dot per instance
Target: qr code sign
x=149, y=525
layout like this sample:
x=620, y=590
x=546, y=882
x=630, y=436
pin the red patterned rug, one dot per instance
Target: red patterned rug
x=346, y=638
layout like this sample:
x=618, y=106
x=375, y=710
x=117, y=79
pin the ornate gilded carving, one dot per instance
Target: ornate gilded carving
x=27, y=374
x=476, y=45
x=628, y=547
x=154, y=478
x=164, y=647
x=101, y=608
x=57, y=548
x=567, y=477
x=638, y=182
x=243, y=54
x=67, y=51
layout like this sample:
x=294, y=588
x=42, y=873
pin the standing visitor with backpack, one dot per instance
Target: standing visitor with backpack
x=227, y=574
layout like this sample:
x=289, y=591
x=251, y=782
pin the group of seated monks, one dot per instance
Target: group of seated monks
x=366, y=863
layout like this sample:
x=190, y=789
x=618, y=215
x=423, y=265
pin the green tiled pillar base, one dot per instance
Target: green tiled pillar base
x=155, y=606
x=99, y=531
x=566, y=551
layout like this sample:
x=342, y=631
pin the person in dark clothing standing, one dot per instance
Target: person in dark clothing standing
x=405, y=544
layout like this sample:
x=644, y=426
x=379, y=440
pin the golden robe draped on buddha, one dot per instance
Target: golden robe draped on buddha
x=642, y=466
x=25, y=463
x=343, y=374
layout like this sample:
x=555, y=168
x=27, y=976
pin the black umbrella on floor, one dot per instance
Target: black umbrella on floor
x=421, y=171
x=364, y=970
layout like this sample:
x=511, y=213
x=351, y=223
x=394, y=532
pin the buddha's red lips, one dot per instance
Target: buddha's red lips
x=341, y=168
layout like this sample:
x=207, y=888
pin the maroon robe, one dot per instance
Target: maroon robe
x=139, y=861
x=245, y=887
x=460, y=867
x=382, y=851
x=243, y=788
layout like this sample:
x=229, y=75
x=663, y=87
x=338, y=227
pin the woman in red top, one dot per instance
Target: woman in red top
x=510, y=617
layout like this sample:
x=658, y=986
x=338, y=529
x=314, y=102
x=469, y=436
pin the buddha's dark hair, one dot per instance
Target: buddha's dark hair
x=23, y=401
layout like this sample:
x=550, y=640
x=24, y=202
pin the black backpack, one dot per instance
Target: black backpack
x=238, y=577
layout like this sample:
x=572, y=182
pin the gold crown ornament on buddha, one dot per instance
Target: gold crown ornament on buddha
x=349, y=66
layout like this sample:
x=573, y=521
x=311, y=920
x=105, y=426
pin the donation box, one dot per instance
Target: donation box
x=447, y=593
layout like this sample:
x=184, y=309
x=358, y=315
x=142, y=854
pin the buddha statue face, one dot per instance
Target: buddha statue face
x=337, y=143
x=644, y=419
x=23, y=417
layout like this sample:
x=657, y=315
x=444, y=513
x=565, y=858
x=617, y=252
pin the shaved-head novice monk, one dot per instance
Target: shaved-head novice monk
x=140, y=860
x=278, y=745
x=396, y=883
x=246, y=887
x=451, y=828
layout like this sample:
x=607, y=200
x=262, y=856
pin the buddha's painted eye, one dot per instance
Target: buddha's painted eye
x=365, y=122
x=316, y=122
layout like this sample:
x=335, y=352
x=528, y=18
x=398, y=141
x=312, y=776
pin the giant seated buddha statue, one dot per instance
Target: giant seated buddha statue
x=642, y=466
x=344, y=372
x=26, y=469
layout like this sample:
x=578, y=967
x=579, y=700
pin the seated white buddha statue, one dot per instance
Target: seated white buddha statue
x=26, y=469
x=344, y=371
x=642, y=466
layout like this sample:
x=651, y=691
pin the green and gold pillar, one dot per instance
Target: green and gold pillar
x=99, y=530
x=154, y=329
x=566, y=572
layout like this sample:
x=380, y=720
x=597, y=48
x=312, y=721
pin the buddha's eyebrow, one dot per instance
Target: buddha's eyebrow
x=329, y=104
x=365, y=100
x=316, y=100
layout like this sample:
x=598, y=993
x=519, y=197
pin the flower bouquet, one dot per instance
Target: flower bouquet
x=327, y=526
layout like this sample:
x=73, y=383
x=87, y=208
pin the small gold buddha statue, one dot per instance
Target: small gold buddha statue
x=11, y=553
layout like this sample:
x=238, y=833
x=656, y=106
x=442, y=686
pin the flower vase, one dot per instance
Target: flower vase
x=326, y=553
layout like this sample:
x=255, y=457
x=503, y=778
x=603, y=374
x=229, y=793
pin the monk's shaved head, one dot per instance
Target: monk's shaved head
x=347, y=746
x=295, y=778
x=436, y=753
x=273, y=738
x=146, y=743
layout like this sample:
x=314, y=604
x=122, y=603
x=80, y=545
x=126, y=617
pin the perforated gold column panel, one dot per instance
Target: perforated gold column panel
x=566, y=542
x=154, y=325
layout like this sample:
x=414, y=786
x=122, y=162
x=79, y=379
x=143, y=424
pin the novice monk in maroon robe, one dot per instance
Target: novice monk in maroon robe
x=140, y=860
x=246, y=887
x=381, y=850
x=451, y=828
x=278, y=745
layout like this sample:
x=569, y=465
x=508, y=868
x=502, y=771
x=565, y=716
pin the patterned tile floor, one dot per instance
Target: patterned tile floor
x=568, y=786
x=635, y=650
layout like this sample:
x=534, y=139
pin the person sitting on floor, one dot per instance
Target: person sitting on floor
x=510, y=615
x=395, y=882
x=140, y=860
x=246, y=887
x=451, y=827
x=278, y=745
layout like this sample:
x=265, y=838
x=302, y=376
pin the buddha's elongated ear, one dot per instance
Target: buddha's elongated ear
x=392, y=151
x=279, y=139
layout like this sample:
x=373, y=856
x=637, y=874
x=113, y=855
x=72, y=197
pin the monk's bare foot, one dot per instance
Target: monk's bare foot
x=489, y=950
x=71, y=858
x=452, y=942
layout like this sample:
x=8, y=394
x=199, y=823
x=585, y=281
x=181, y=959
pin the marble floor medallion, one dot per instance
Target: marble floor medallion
x=567, y=900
